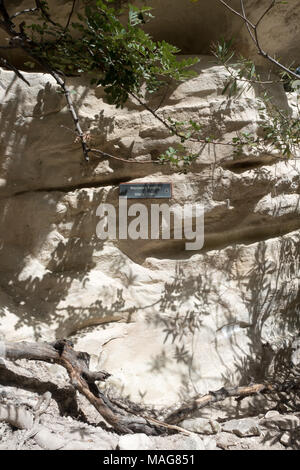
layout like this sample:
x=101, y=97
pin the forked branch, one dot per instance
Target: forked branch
x=122, y=418
x=253, y=32
x=84, y=381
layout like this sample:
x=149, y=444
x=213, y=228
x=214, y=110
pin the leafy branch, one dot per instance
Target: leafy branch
x=120, y=58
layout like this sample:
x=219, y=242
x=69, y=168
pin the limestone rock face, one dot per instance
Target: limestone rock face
x=164, y=321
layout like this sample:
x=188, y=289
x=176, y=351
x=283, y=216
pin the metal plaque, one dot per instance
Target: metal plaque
x=145, y=190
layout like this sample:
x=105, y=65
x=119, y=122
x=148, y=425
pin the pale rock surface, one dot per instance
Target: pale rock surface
x=285, y=439
x=165, y=322
x=296, y=352
x=271, y=414
x=201, y=425
x=135, y=442
x=242, y=427
x=282, y=422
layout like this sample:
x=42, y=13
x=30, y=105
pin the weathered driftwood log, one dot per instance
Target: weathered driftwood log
x=14, y=375
x=77, y=365
x=122, y=418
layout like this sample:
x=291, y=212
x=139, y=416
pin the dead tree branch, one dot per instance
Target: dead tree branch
x=213, y=397
x=24, y=12
x=70, y=16
x=123, y=418
x=84, y=381
x=239, y=393
x=6, y=65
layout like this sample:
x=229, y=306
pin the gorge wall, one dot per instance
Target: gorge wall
x=165, y=322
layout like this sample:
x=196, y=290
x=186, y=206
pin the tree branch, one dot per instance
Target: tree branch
x=70, y=15
x=123, y=418
x=77, y=365
x=5, y=14
x=236, y=13
x=23, y=12
x=213, y=397
x=253, y=31
x=44, y=12
x=4, y=63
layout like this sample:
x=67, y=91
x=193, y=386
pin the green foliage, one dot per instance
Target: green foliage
x=280, y=130
x=177, y=157
x=242, y=71
x=120, y=57
x=187, y=131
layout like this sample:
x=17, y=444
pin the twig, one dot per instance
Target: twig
x=80, y=133
x=236, y=13
x=10, y=66
x=254, y=34
x=5, y=14
x=265, y=13
x=23, y=12
x=171, y=129
x=105, y=154
x=70, y=16
x=77, y=365
x=43, y=10
x=244, y=16
x=217, y=396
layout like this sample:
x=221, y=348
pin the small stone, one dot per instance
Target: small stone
x=244, y=446
x=210, y=443
x=283, y=422
x=192, y=442
x=242, y=427
x=285, y=439
x=296, y=352
x=271, y=414
x=135, y=442
x=201, y=426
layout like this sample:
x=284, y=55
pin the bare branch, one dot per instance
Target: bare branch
x=254, y=34
x=108, y=155
x=247, y=24
x=23, y=12
x=217, y=396
x=77, y=365
x=4, y=13
x=237, y=13
x=265, y=13
x=70, y=15
x=44, y=12
x=171, y=129
x=9, y=66
x=79, y=131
